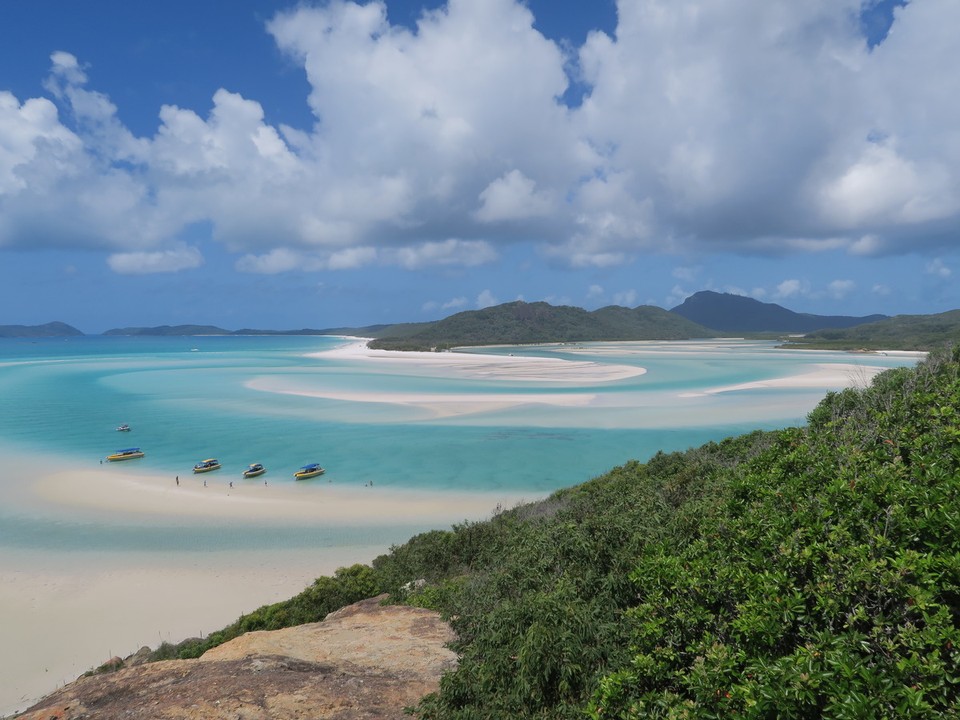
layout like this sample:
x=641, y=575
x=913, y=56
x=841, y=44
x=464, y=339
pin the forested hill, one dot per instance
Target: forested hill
x=521, y=323
x=901, y=332
x=53, y=329
x=735, y=313
x=811, y=572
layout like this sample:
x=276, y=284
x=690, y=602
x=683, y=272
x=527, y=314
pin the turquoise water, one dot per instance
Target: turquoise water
x=187, y=399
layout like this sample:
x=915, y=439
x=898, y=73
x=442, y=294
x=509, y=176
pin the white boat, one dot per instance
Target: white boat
x=123, y=428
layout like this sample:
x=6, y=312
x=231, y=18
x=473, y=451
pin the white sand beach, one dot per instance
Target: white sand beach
x=824, y=376
x=482, y=366
x=75, y=611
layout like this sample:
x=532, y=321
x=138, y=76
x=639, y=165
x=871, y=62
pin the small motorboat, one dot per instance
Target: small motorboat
x=123, y=428
x=128, y=454
x=309, y=471
x=207, y=465
x=254, y=470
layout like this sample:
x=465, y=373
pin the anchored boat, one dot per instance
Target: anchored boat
x=128, y=454
x=309, y=471
x=254, y=470
x=207, y=465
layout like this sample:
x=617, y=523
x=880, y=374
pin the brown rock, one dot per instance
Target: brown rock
x=365, y=661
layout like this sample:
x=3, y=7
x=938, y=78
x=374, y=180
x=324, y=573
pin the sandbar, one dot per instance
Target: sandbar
x=465, y=364
x=824, y=376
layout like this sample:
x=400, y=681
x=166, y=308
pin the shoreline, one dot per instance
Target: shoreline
x=75, y=609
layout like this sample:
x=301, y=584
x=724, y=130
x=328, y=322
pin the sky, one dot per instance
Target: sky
x=280, y=165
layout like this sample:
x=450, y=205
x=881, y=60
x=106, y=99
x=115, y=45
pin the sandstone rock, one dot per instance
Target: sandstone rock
x=365, y=661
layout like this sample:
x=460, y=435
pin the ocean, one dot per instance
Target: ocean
x=191, y=398
x=81, y=582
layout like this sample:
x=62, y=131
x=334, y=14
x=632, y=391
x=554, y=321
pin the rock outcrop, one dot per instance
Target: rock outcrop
x=364, y=661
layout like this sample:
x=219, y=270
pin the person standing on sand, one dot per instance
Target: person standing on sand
x=178, y=481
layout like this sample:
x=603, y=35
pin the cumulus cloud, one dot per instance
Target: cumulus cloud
x=465, y=253
x=937, y=268
x=486, y=299
x=159, y=261
x=789, y=288
x=627, y=298
x=512, y=197
x=760, y=127
x=839, y=289
x=454, y=303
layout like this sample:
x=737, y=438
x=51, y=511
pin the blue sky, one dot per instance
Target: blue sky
x=281, y=165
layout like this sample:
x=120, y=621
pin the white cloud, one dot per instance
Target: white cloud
x=880, y=289
x=627, y=298
x=936, y=268
x=677, y=296
x=160, y=261
x=486, y=299
x=465, y=253
x=454, y=303
x=594, y=291
x=839, y=289
x=276, y=261
x=758, y=127
x=790, y=288
x=512, y=197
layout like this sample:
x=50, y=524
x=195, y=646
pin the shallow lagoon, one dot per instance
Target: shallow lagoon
x=429, y=429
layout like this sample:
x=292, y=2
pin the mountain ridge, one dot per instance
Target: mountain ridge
x=726, y=312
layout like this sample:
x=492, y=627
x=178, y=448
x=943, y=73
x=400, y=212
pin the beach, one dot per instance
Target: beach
x=165, y=557
x=75, y=611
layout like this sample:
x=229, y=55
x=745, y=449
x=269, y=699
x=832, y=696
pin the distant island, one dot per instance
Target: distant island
x=725, y=312
x=53, y=329
x=705, y=314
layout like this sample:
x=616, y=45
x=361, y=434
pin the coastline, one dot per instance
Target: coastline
x=74, y=610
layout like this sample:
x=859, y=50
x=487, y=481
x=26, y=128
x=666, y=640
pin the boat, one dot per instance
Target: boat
x=127, y=454
x=207, y=465
x=254, y=470
x=123, y=428
x=309, y=471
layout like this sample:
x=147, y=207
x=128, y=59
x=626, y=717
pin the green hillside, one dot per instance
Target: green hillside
x=902, y=332
x=805, y=573
x=519, y=323
x=53, y=329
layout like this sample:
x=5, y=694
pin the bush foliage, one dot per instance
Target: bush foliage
x=810, y=572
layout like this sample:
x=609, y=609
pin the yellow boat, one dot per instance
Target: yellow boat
x=207, y=465
x=254, y=470
x=128, y=454
x=309, y=471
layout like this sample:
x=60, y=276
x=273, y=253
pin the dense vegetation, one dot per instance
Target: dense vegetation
x=810, y=572
x=903, y=332
x=523, y=323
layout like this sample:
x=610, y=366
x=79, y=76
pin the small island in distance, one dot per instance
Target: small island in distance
x=705, y=314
